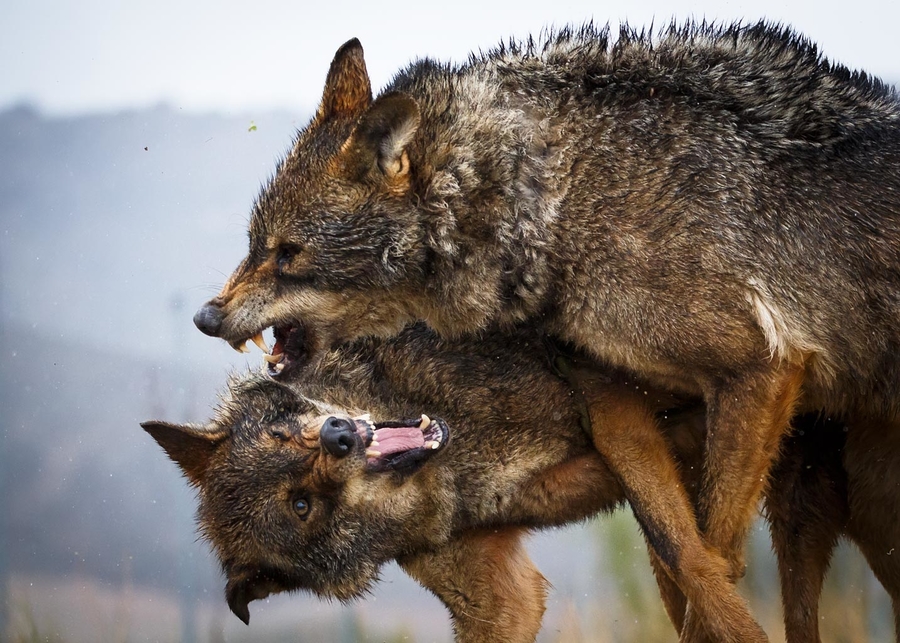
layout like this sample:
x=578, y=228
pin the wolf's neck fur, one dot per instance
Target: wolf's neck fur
x=489, y=200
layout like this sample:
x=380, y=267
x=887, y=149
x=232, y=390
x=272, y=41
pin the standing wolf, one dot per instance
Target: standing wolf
x=715, y=210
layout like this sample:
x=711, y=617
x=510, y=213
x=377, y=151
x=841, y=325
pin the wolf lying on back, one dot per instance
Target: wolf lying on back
x=298, y=494
x=717, y=210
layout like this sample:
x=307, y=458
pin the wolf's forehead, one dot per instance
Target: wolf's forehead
x=310, y=157
x=320, y=407
x=304, y=179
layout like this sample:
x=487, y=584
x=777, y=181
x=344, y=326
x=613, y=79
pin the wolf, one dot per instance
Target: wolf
x=714, y=208
x=299, y=489
x=296, y=493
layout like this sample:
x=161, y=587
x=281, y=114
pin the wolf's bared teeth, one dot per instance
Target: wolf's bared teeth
x=366, y=419
x=425, y=422
x=279, y=366
x=374, y=444
x=242, y=347
x=259, y=341
x=431, y=444
x=371, y=453
x=273, y=359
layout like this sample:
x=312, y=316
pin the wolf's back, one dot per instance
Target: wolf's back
x=733, y=159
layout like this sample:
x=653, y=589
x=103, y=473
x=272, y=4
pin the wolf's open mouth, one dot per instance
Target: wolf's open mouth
x=401, y=445
x=290, y=349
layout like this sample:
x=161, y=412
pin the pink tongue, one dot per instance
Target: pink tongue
x=398, y=439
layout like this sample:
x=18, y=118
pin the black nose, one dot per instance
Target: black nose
x=338, y=436
x=209, y=319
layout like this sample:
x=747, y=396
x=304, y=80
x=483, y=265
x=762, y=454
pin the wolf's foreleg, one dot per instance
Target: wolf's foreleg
x=627, y=435
x=494, y=592
x=872, y=462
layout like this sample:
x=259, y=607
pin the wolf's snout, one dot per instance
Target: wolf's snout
x=338, y=436
x=209, y=319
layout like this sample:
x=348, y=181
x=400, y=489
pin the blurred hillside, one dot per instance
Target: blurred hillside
x=106, y=220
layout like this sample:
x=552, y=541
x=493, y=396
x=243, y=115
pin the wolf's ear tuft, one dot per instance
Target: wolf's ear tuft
x=381, y=137
x=348, y=91
x=191, y=447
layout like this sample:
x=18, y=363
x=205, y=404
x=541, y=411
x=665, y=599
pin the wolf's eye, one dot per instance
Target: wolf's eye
x=301, y=507
x=283, y=259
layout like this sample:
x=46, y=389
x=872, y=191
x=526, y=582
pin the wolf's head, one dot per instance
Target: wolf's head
x=297, y=495
x=335, y=240
x=385, y=211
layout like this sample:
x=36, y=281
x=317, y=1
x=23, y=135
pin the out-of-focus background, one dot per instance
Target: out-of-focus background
x=133, y=139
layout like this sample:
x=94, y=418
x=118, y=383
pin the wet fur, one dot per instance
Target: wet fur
x=712, y=208
x=457, y=525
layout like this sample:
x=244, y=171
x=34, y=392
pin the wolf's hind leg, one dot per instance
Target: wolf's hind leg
x=807, y=509
x=627, y=435
x=872, y=462
x=674, y=600
x=494, y=592
x=747, y=418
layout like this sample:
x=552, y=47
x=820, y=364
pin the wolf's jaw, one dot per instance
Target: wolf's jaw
x=288, y=349
x=395, y=445
x=277, y=360
x=241, y=345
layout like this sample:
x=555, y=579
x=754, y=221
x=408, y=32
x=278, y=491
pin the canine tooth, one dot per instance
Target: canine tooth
x=425, y=422
x=431, y=444
x=272, y=359
x=241, y=348
x=259, y=341
x=371, y=453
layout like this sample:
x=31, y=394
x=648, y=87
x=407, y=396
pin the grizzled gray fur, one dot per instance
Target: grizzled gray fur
x=286, y=508
x=715, y=209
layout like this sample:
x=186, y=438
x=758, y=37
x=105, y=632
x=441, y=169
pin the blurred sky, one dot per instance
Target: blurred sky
x=74, y=57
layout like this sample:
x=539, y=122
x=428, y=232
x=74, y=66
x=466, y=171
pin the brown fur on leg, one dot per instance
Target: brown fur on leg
x=686, y=432
x=746, y=419
x=494, y=592
x=673, y=599
x=626, y=433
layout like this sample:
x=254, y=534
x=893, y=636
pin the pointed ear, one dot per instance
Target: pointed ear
x=191, y=447
x=381, y=137
x=348, y=91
